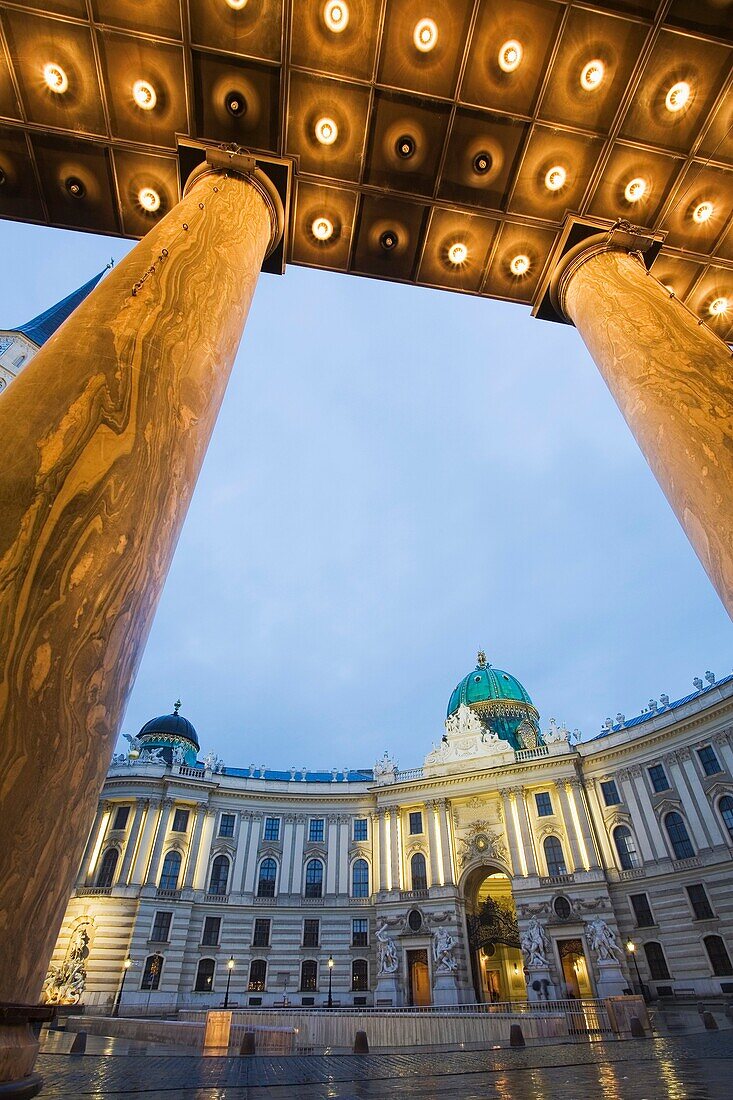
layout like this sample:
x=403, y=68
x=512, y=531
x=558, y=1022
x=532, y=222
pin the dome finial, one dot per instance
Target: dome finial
x=177, y=706
x=481, y=659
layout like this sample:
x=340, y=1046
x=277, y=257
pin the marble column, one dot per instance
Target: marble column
x=131, y=846
x=166, y=809
x=298, y=851
x=394, y=843
x=436, y=870
x=383, y=864
x=331, y=853
x=445, y=841
x=83, y=872
x=671, y=377
x=194, y=846
x=142, y=858
x=202, y=862
x=107, y=427
x=568, y=826
x=242, y=833
x=625, y=778
x=525, y=830
x=287, y=862
x=343, y=886
x=513, y=839
x=250, y=873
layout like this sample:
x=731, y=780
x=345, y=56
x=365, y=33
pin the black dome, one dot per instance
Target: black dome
x=172, y=725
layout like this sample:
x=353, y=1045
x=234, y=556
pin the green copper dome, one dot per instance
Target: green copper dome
x=486, y=684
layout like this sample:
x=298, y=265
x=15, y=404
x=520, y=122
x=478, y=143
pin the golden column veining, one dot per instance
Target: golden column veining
x=672, y=379
x=104, y=434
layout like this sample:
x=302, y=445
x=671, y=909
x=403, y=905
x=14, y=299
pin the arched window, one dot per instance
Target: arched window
x=419, y=872
x=267, y=878
x=107, y=867
x=257, y=975
x=171, y=871
x=360, y=879
x=726, y=812
x=655, y=960
x=719, y=957
x=554, y=857
x=359, y=975
x=626, y=848
x=219, y=875
x=314, y=879
x=151, y=972
x=309, y=976
x=678, y=836
x=205, y=976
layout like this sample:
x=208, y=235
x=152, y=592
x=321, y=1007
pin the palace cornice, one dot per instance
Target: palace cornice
x=669, y=737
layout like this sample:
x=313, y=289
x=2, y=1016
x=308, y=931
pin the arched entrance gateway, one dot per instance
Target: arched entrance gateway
x=497, y=964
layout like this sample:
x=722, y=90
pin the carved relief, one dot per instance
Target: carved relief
x=65, y=984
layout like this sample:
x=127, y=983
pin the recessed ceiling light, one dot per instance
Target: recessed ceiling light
x=425, y=35
x=75, y=187
x=481, y=163
x=405, y=146
x=235, y=103
x=510, y=56
x=237, y=5
x=703, y=212
x=519, y=265
x=326, y=131
x=678, y=96
x=55, y=77
x=336, y=15
x=718, y=306
x=322, y=228
x=149, y=199
x=144, y=95
x=388, y=240
x=458, y=253
x=592, y=75
x=555, y=177
x=669, y=287
x=636, y=189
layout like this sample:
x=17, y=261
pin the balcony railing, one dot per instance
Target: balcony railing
x=531, y=754
x=171, y=895
x=100, y=891
x=631, y=872
x=216, y=898
x=413, y=895
x=410, y=773
x=556, y=880
x=683, y=864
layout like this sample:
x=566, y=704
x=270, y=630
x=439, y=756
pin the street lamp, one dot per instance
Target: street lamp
x=631, y=948
x=330, y=980
x=125, y=967
x=230, y=967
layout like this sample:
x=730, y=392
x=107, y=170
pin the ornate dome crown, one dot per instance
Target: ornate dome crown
x=486, y=684
x=170, y=731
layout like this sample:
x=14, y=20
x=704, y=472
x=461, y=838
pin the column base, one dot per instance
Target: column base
x=388, y=991
x=539, y=985
x=611, y=981
x=19, y=1047
x=445, y=989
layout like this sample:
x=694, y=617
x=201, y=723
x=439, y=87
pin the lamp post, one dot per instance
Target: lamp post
x=230, y=967
x=125, y=967
x=631, y=948
x=330, y=981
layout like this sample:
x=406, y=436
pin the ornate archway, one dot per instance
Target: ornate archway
x=497, y=965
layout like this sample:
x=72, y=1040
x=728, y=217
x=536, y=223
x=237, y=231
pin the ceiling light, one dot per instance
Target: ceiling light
x=405, y=146
x=237, y=5
x=482, y=163
x=388, y=240
x=519, y=265
x=703, y=212
x=592, y=75
x=235, y=103
x=322, y=229
x=144, y=95
x=510, y=56
x=336, y=15
x=326, y=131
x=636, y=189
x=555, y=178
x=678, y=96
x=669, y=287
x=149, y=199
x=425, y=35
x=55, y=77
x=458, y=253
x=718, y=306
x=75, y=187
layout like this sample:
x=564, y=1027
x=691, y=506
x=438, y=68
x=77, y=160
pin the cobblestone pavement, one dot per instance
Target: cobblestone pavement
x=696, y=1067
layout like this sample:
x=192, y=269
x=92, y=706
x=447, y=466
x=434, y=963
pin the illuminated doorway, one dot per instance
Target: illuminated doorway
x=497, y=964
x=419, y=977
x=574, y=968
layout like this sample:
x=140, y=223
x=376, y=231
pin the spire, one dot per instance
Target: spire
x=177, y=706
x=42, y=327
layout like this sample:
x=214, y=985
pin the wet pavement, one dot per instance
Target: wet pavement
x=691, y=1067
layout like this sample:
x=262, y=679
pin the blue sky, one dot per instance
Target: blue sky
x=398, y=477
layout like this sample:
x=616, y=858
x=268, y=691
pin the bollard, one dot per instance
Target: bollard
x=516, y=1036
x=79, y=1045
x=637, y=1028
x=361, y=1043
x=248, y=1043
x=711, y=1024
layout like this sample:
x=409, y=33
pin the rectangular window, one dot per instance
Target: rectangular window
x=272, y=828
x=544, y=804
x=311, y=933
x=226, y=825
x=261, y=936
x=701, y=907
x=161, y=927
x=609, y=790
x=658, y=776
x=415, y=822
x=360, y=828
x=180, y=821
x=212, y=931
x=360, y=932
x=316, y=830
x=709, y=761
x=120, y=821
x=642, y=910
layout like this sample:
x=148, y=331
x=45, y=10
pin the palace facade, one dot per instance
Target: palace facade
x=514, y=864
